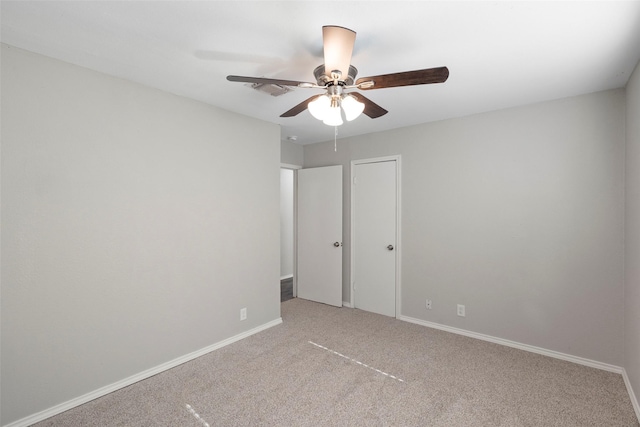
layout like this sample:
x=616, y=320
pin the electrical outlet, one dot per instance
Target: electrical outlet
x=428, y=304
x=461, y=310
x=243, y=314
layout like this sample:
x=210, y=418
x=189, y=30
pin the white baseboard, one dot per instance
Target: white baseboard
x=538, y=350
x=55, y=410
x=288, y=276
x=632, y=395
x=514, y=344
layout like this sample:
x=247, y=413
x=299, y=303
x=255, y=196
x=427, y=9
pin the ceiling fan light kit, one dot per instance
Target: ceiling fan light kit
x=327, y=107
x=337, y=75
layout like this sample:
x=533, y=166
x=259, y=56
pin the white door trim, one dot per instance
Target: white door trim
x=289, y=166
x=398, y=248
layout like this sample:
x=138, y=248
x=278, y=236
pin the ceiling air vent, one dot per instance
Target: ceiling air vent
x=271, y=89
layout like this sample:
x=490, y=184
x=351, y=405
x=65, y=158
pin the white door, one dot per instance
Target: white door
x=374, y=211
x=319, y=272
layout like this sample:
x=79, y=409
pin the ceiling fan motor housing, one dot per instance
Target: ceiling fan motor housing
x=323, y=79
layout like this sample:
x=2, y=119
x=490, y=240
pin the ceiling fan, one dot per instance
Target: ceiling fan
x=337, y=76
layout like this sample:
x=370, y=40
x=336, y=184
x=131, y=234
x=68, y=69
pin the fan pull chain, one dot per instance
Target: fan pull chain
x=335, y=139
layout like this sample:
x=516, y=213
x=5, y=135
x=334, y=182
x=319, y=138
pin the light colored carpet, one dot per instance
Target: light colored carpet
x=282, y=377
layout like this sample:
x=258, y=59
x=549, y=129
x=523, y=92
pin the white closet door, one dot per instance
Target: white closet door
x=374, y=210
x=320, y=235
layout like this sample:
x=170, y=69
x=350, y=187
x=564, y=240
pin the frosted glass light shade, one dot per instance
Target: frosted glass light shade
x=333, y=117
x=352, y=107
x=320, y=106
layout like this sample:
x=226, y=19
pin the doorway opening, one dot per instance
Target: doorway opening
x=287, y=231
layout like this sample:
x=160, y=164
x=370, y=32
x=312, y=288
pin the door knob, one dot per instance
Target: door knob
x=390, y=247
x=337, y=244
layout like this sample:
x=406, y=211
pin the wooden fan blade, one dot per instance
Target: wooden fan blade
x=407, y=78
x=299, y=108
x=338, y=47
x=262, y=80
x=371, y=109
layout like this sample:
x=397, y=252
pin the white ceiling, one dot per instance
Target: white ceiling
x=500, y=53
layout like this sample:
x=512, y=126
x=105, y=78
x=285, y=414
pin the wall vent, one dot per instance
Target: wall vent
x=270, y=89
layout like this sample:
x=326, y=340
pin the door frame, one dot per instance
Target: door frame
x=295, y=169
x=398, y=249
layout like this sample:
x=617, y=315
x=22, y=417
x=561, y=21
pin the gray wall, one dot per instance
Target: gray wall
x=518, y=214
x=129, y=239
x=291, y=153
x=632, y=235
